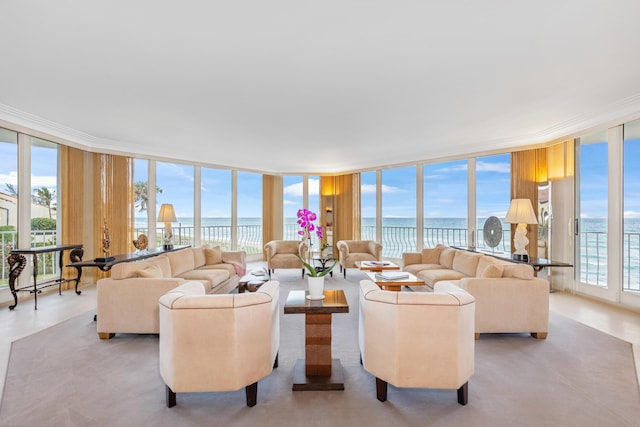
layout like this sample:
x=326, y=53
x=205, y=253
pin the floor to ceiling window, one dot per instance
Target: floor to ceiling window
x=631, y=237
x=592, y=209
x=215, y=208
x=8, y=199
x=493, y=196
x=140, y=196
x=293, y=200
x=368, y=205
x=249, y=208
x=445, y=203
x=398, y=211
x=175, y=186
x=44, y=193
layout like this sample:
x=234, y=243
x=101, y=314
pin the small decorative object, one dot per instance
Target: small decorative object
x=141, y=242
x=106, y=244
x=492, y=232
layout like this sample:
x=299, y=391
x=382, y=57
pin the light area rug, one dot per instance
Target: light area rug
x=66, y=376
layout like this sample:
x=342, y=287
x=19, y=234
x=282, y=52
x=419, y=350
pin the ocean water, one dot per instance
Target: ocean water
x=399, y=236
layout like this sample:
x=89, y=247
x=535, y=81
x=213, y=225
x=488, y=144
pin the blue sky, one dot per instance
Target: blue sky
x=444, y=184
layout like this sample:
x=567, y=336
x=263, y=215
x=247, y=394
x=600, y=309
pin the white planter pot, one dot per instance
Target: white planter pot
x=316, y=287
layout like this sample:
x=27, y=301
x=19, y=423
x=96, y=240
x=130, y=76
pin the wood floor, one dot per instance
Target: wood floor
x=53, y=308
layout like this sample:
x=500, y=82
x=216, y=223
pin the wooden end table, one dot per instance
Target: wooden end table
x=318, y=370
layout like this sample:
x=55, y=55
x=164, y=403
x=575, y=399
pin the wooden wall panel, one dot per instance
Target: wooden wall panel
x=347, y=207
x=272, y=210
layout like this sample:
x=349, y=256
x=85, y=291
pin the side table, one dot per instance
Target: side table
x=318, y=371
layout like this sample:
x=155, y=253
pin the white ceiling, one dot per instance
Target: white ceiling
x=295, y=86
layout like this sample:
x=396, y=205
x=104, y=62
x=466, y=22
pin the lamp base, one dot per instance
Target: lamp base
x=520, y=257
x=167, y=247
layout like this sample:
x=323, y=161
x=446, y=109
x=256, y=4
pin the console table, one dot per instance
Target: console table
x=537, y=263
x=17, y=262
x=105, y=265
x=318, y=371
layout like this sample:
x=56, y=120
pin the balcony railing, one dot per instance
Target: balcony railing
x=395, y=241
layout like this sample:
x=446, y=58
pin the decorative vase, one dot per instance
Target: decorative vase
x=316, y=287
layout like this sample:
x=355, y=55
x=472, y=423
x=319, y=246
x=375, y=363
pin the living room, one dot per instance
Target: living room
x=437, y=139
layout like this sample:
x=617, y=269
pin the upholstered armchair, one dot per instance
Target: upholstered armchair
x=218, y=342
x=357, y=250
x=417, y=339
x=282, y=254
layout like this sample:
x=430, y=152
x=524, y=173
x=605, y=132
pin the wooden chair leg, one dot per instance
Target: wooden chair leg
x=106, y=335
x=463, y=393
x=345, y=272
x=275, y=363
x=303, y=273
x=381, y=390
x=252, y=394
x=539, y=335
x=477, y=335
x=171, y=398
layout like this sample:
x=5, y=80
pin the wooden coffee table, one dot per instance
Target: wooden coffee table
x=396, y=284
x=318, y=371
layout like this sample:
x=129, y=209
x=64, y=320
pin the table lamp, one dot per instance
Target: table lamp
x=167, y=215
x=521, y=212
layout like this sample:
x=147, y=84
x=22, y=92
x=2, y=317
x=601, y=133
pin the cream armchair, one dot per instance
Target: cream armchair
x=220, y=342
x=357, y=250
x=417, y=339
x=282, y=254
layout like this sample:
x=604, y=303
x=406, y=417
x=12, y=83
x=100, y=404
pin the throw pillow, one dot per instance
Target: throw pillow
x=431, y=256
x=213, y=255
x=150, y=272
x=492, y=271
x=446, y=257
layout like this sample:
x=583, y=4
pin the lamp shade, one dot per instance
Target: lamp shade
x=167, y=214
x=521, y=212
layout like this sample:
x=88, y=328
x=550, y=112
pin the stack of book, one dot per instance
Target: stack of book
x=376, y=263
x=392, y=275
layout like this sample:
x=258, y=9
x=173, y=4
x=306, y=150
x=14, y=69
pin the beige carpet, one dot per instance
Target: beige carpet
x=66, y=376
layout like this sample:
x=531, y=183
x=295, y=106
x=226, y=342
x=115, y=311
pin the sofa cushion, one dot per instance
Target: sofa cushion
x=431, y=277
x=151, y=271
x=181, y=261
x=213, y=276
x=417, y=268
x=466, y=262
x=519, y=271
x=227, y=267
x=431, y=255
x=199, y=257
x=446, y=257
x=126, y=270
x=493, y=271
x=213, y=255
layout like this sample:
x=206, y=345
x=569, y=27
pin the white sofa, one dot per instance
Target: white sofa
x=212, y=343
x=417, y=339
x=509, y=298
x=128, y=300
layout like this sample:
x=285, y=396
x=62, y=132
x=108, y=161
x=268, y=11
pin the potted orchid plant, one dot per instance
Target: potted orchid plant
x=306, y=220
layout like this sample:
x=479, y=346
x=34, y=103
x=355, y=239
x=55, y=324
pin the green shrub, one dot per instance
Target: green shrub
x=43, y=224
x=7, y=228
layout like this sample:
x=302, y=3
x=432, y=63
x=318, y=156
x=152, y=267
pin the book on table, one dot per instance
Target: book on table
x=392, y=275
x=376, y=263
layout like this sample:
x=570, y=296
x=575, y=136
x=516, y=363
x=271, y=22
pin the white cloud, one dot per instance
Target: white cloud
x=11, y=178
x=493, y=167
x=631, y=214
x=289, y=202
x=296, y=189
x=386, y=189
x=44, y=181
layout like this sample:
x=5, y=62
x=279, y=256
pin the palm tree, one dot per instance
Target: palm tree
x=44, y=197
x=141, y=195
x=11, y=189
